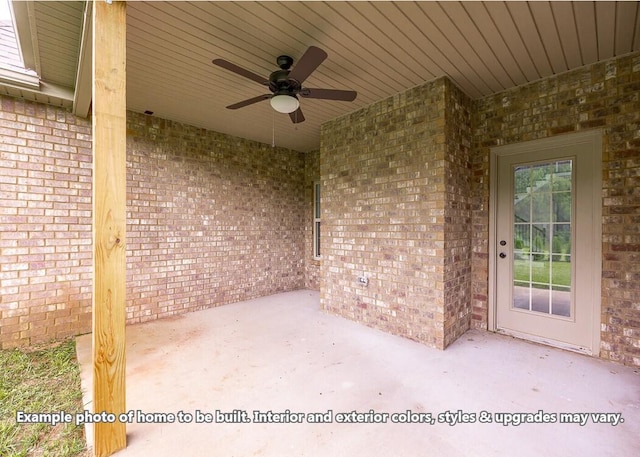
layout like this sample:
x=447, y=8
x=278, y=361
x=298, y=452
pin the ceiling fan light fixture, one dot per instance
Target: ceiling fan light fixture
x=285, y=84
x=284, y=103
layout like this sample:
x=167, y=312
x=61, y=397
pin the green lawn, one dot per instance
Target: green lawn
x=540, y=272
x=40, y=380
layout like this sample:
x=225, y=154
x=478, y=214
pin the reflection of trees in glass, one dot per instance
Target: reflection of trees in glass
x=542, y=223
x=522, y=209
x=561, y=182
x=522, y=178
x=561, y=243
x=540, y=173
x=562, y=206
x=540, y=244
x=562, y=166
x=541, y=206
x=543, y=193
x=562, y=192
x=529, y=178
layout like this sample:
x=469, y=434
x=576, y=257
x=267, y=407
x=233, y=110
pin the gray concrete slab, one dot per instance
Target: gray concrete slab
x=281, y=353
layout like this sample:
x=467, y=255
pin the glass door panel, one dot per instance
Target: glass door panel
x=542, y=227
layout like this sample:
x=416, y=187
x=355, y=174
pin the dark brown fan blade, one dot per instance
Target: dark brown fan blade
x=309, y=61
x=297, y=116
x=250, y=101
x=240, y=71
x=329, y=94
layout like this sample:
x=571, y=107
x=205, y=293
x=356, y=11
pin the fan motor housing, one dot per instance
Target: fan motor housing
x=279, y=82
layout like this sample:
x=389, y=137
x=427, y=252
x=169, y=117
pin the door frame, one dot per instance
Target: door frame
x=592, y=138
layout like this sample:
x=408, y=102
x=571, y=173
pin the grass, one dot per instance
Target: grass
x=40, y=380
x=540, y=272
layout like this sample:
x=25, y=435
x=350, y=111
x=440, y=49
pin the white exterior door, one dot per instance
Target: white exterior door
x=547, y=246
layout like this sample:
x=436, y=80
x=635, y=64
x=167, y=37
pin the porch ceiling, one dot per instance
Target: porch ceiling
x=375, y=48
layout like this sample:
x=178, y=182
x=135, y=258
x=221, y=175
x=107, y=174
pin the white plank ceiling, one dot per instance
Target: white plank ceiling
x=375, y=48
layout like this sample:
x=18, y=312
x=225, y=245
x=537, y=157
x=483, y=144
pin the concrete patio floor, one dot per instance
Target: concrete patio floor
x=281, y=353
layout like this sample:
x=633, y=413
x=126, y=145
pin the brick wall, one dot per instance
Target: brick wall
x=212, y=219
x=604, y=96
x=457, y=215
x=215, y=219
x=45, y=223
x=393, y=182
x=311, y=266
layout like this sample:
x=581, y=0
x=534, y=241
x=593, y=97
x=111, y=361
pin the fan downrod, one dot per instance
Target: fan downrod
x=284, y=62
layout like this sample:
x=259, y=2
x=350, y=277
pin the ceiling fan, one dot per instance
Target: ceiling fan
x=286, y=84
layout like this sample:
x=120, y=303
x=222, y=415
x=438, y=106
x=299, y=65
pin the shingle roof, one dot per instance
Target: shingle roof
x=9, y=55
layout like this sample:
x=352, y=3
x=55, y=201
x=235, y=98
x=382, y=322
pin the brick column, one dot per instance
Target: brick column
x=395, y=180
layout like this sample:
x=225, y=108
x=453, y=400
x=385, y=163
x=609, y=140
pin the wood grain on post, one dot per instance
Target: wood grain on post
x=109, y=222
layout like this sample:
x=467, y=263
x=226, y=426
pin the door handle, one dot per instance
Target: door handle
x=502, y=255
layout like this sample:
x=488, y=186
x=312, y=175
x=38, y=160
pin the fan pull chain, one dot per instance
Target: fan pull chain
x=273, y=130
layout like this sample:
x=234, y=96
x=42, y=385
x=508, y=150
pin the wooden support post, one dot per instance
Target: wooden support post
x=109, y=222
